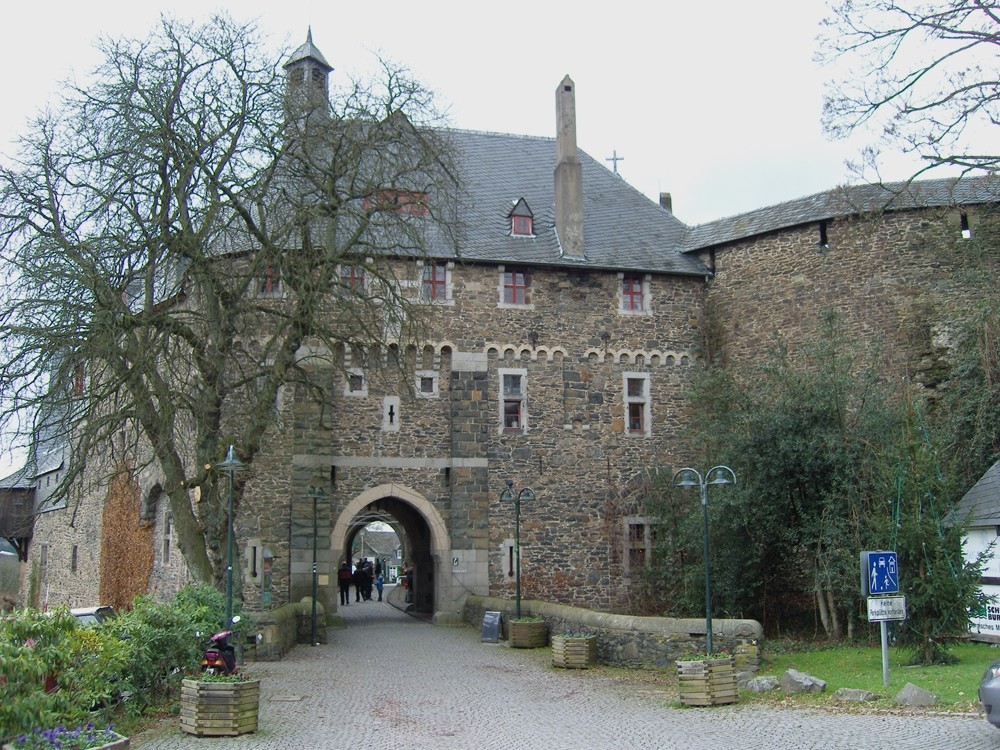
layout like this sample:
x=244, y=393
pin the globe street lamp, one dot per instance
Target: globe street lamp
x=317, y=494
x=505, y=497
x=230, y=466
x=691, y=478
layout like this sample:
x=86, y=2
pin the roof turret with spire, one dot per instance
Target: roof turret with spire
x=308, y=76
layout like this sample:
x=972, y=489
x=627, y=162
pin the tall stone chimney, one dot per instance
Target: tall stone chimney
x=568, y=174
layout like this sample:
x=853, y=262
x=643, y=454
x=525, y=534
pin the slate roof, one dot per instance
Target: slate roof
x=623, y=229
x=980, y=506
x=845, y=201
x=22, y=479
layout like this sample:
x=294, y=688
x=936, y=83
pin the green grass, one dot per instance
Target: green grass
x=861, y=667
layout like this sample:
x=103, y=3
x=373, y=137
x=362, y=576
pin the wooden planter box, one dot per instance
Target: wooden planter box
x=574, y=652
x=122, y=743
x=707, y=682
x=216, y=709
x=527, y=634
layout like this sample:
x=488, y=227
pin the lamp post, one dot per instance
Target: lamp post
x=230, y=466
x=692, y=478
x=505, y=497
x=317, y=494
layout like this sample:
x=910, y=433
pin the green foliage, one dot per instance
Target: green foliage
x=141, y=655
x=971, y=402
x=941, y=588
x=80, y=667
x=799, y=434
x=167, y=639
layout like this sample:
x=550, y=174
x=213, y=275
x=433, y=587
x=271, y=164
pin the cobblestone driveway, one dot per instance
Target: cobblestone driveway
x=388, y=681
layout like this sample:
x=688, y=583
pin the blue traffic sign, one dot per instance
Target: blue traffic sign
x=879, y=573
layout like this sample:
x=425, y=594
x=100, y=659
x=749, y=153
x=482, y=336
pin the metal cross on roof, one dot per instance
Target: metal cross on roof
x=614, y=159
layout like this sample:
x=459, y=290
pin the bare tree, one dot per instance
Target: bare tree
x=923, y=75
x=178, y=231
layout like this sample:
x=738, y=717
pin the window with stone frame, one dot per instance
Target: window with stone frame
x=435, y=281
x=513, y=400
x=355, y=383
x=634, y=293
x=637, y=409
x=639, y=536
x=351, y=279
x=390, y=414
x=515, y=285
x=269, y=282
x=427, y=384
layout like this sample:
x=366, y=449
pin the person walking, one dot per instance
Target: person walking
x=344, y=579
x=379, y=583
x=359, y=580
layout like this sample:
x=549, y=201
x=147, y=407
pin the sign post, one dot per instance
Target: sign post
x=880, y=583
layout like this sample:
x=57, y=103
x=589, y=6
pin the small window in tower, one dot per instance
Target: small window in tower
x=427, y=383
x=966, y=229
x=513, y=400
x=355, y=383
x=824, y=239
x=637, y=411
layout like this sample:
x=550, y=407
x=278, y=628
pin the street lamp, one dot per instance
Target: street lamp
x=317, y=494
x=230, y=466
x=691, y=478
x=505, y=497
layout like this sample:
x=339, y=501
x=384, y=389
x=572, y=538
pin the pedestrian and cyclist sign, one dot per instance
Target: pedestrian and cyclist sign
x=880, y=583
x=879, y=573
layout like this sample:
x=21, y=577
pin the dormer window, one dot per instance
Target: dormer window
x=413, y=203
x=521, y=220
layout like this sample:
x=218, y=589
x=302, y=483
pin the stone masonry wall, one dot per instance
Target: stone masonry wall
x=892, y=279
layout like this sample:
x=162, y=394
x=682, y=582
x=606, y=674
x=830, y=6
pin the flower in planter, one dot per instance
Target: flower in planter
x=577, y=634
x=83, y=737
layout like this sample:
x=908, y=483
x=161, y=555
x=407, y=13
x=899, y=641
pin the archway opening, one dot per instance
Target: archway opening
x=415, y=545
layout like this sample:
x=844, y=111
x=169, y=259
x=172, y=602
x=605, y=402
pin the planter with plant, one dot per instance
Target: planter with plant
x=574, y=650
x=85, y=737
x=707, y=680
x=527, y=632
x=219, y=705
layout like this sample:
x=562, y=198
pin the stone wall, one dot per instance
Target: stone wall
x=893, y=279
x=633, y=641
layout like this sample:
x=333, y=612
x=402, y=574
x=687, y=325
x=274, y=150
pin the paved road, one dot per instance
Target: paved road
x=391, y=682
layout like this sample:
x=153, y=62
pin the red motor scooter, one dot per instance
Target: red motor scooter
x=220, y=657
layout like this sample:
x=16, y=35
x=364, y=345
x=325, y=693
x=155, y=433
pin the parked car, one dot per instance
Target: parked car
x=91, y=617
x=989, y=693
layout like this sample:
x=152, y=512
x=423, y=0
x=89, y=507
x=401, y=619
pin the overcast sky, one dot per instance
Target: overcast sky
x=716, y=103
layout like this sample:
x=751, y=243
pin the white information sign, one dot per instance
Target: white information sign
x=883, y=608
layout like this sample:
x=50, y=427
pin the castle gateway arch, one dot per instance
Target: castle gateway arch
x=426, y=545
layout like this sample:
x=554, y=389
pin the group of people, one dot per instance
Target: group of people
x=365, y=577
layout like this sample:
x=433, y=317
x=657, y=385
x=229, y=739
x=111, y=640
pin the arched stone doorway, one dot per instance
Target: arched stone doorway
x=421, y=529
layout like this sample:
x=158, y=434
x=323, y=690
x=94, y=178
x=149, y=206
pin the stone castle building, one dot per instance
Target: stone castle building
x=560, y=344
